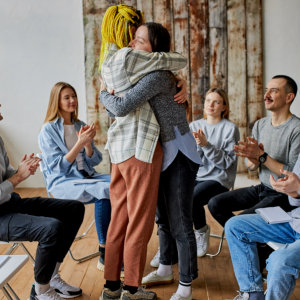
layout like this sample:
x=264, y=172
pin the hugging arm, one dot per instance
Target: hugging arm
x=146, y=88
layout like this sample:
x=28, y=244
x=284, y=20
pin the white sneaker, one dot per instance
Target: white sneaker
x=154, y=279
x=50, y=294
x=64, y=289
x=202, y=241
x=179, y=297
x=155, y=260
x=241, y=296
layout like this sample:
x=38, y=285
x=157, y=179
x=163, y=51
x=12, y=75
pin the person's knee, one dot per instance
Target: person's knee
x=279, y=262
x=215, y=204
x=232, y=226
x=51, y=232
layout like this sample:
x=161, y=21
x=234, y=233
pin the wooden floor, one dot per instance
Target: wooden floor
x=216, y=280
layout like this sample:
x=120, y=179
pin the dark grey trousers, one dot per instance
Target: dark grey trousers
x=51, y=222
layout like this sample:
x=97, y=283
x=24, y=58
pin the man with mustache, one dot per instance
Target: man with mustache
x=274, y=146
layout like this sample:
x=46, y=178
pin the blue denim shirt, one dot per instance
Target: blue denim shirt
x=59, y=173
x=185, y=143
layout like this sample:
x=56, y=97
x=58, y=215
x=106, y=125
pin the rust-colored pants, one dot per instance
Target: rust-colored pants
x=133, y=195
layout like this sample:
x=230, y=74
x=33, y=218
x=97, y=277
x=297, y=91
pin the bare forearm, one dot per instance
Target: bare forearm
x=251, y=165
x=89, y=150
x=15, y=179
x=273, y=165
x=72, y=154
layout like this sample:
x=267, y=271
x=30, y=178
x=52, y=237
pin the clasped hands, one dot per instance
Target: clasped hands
x=86, y=134
x=250, y=149
x=27, y=166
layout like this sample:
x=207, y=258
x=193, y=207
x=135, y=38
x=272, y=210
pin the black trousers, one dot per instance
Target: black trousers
x=246, y=199
x=53, y=223
x=203, y=192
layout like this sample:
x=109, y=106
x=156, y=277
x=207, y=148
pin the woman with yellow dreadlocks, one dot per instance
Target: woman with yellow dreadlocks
x=135, y=153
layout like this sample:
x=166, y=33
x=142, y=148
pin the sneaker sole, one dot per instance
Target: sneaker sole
x=153, y=283
x=124, y=297
x=68, y=296
x=109, y=298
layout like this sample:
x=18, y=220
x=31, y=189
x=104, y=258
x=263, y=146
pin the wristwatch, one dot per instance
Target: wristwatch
x=262, y=159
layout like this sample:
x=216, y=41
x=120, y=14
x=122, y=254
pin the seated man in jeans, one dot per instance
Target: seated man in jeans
x=283, y=265
x=275, y=145
x=53, y=223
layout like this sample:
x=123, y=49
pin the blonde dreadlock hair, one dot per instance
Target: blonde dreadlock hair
x=116, y=27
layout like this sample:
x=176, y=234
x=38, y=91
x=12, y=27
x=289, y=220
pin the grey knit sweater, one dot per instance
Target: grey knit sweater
x=158, y=88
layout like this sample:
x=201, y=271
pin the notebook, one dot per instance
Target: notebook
x=273, y=215
x=87, y=180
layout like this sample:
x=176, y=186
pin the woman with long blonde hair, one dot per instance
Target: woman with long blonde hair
x=69, y=157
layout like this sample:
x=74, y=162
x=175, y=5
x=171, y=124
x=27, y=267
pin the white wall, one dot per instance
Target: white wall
x=41, y=43
x=281, y=31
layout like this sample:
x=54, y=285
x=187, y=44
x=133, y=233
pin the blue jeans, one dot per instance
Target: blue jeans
x=102, y=218
x=174, y=216
x=242, y=234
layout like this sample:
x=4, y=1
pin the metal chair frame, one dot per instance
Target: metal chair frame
x=221, y=237
x=14, y=246
x=78, y=237
x=9, y=272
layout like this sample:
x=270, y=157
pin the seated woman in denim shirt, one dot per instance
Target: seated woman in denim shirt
x=69, y=154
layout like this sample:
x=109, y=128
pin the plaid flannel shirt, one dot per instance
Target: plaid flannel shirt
x=137, y=133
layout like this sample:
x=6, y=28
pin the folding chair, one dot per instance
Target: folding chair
x=221, y=237
x=44, y=170
x=14, y=246
x=9, y=266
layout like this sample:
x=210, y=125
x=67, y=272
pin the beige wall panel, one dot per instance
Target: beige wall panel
x=147, y=8
x=218, y=43
x=199, y=53
x=254, y=60
x=237, y=75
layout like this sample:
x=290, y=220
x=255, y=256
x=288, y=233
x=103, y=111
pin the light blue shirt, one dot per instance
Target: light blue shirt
x=185, y=143
x=59, y=173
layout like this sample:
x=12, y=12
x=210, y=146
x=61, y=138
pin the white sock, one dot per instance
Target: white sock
x=41, y=288
x=56, y=269
x=184, y=289
x=203, y=229
x=164, y=270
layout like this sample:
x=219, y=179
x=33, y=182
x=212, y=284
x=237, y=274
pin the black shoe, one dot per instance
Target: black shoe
x=32, y=293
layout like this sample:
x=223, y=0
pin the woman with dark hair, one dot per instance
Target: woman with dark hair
x=179, y=166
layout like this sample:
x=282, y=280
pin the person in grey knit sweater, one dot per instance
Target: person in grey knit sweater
x=179, y=168
x=215, y=137
x=275, y=145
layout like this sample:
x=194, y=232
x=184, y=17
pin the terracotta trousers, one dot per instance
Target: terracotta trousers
x=133, y=195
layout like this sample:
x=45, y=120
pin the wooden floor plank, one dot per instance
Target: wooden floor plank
x=216, y=280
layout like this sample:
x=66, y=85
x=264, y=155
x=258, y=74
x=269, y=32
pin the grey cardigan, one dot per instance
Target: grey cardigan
x=158, y=88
